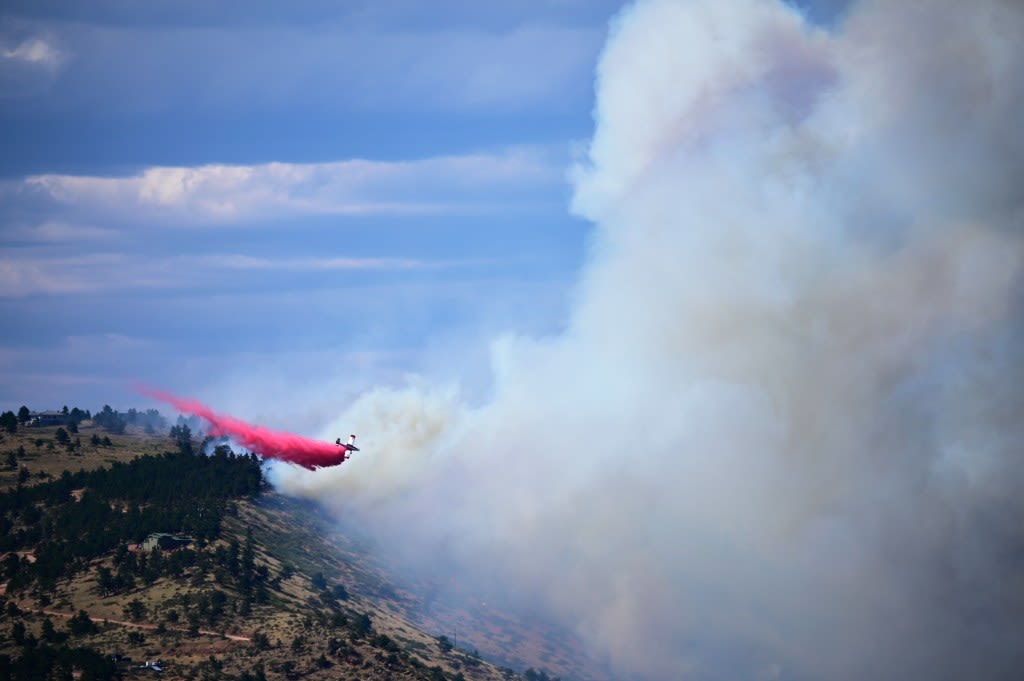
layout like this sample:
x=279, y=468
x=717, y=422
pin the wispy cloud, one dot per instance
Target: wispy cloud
x=44, y=274
x=226, y=193
x=246, y=262
x=62, y=275
x=33, y=51
x=28, y=63
x=58, y=232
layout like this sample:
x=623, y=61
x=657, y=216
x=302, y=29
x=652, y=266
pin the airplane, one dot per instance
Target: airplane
x=349, y=446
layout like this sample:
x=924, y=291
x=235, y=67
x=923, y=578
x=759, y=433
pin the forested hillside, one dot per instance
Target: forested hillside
x=115, y=506
x=164, y=552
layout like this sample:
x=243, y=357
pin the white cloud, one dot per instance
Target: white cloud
x=28, y=65
x=227, y=193
x=35, y=51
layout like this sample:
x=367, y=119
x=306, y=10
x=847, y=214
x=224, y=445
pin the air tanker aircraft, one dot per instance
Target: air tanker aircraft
x=349, y=446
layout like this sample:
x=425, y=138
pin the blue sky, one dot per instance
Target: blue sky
x=200, y=194
x=192, y=192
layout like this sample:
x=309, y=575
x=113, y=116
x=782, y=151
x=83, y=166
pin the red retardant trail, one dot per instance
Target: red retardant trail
x=270, y=444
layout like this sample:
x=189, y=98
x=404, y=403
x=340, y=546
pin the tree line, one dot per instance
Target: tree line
x=109, y=419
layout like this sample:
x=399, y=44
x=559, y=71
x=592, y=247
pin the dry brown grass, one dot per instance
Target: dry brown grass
x=49, y=459
x=284, y=533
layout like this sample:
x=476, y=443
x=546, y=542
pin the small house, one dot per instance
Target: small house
x=47, y=418
x=164, y=542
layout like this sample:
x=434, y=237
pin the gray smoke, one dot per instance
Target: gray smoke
x=781, y=435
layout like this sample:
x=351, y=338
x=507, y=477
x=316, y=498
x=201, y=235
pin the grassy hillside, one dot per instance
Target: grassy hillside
x=257, y=593
x=38, y=451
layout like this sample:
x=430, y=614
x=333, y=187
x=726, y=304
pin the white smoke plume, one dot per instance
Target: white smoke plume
x=782, y=434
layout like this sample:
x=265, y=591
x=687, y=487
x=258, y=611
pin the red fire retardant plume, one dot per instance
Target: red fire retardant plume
x=270, y=444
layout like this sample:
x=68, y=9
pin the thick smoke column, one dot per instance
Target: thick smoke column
x=782, y=434
x=270, y=444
